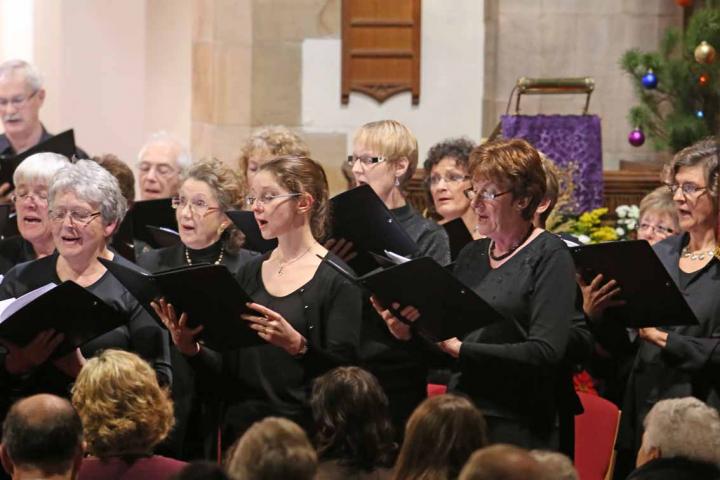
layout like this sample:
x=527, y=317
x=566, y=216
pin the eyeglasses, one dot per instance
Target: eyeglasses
x=18, y=101
x=687, y=189
x=472, y=195
x=162, y=169
x=80, y=217
x=198, y=206
x=452, y=178
x=39, y=197
x=267, y=198
x=659, y=229
x=365, y=160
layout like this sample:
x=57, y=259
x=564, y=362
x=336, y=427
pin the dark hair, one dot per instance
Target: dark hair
x=121, y=171
x=304, y=175
x=456, y=148
x=513, y=164
x=46, y=438
x=352, y=419
x=202, y=470
x=440, y=436
x=705, y=153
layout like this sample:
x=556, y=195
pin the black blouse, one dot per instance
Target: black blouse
x=431, y=238
x=141, y=334
x=13, y=251
x=514, y=369
x=172, y=257
x=326, y=311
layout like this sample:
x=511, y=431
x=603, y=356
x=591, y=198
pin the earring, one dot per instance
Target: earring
x=221, y=228
x=397, y=181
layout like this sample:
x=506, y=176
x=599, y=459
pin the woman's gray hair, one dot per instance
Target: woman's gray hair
x=684, y=427
x=39, y=168
x=93, y=184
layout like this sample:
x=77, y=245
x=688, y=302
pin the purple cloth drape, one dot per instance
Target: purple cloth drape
x=572, y=142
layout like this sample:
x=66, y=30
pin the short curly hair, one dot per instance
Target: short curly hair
x=122, y=407
x=277, y=140
x=456, y=148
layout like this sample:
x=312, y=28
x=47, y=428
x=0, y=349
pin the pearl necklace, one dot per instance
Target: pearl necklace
x=697, y=255
x=217, y=262
x=284, y=264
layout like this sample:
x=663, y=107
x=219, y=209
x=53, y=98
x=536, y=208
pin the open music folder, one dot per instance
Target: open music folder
x=651, y=296
x=358, y=215
x=448, y=308
x=209, y=294
x=67, y=308
x=246, y=223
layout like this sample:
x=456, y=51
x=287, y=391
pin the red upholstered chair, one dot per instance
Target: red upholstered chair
x=595, y=434
x=435, y=389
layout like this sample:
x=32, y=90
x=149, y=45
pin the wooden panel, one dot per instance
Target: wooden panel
x=380, y=48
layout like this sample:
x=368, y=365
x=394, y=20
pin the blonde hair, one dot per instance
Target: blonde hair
x=270, y=449
x=123, y=408
x=390, y=139
x=277, y=140
x=660, y=201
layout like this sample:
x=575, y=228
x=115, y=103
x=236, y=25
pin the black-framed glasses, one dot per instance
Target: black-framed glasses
x=267, y=198
x=453, y=178
x=365, y=160
x=197, y=206
x=79, y=217
x=688, y=189
x=659, y=229
x=486, y=195
x=18, y=101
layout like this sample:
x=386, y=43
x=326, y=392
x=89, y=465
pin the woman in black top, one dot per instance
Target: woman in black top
x=31, y=179
x=308, y=314
x=513, y=370
x=207, y=190
x=85, y=208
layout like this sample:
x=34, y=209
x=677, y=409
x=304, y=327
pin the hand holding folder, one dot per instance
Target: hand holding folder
x=208, y=294
x=447, y=307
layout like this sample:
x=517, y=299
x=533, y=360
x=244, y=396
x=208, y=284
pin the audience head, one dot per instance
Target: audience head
x=32, y=179
x=122, y=172
x=208, y=189
x=681, y=427
x=385, y=156
x=556, y=465
x=161, y=161
x=42, y=436
x=352, y=419
x=202, y=470
x=508, y=184
x=440, y=436
x=658, y=216
x=86, y=205
x=287, y=189
x=124, y=410
x=552, y=190
x=447, y=171
x=271, y=449
x=21, y=96
x=267, y=144
x=502, y=462
x=693, y=176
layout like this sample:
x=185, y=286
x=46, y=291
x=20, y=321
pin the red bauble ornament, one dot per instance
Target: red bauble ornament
x=704, y=80
x=684, y=3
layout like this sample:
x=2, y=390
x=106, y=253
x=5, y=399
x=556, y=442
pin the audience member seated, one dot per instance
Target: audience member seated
x=160, y=163
x=502, y=462
x=448, y=176
x=354, y=435
x=202, y=470
x=125, y=414
x=440, y=436
x=121, y=171
x=268, y=143
x=272, y=449
x=31, y=178
x=42, y=438
x=556, y=465
x=681, y=441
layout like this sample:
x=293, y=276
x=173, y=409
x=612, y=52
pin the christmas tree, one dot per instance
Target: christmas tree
x=678, y=86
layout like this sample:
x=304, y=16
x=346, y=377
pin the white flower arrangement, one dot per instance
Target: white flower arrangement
x=627, y=222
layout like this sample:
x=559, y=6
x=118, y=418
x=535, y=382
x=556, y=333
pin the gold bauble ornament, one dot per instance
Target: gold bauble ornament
x=705, y=53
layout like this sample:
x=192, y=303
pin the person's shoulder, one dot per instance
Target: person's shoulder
x=120, y=260
x=161, y=258
x=670, y=246
x=472, y=250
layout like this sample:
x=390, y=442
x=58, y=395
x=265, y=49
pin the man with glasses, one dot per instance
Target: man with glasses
x=161, y=161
